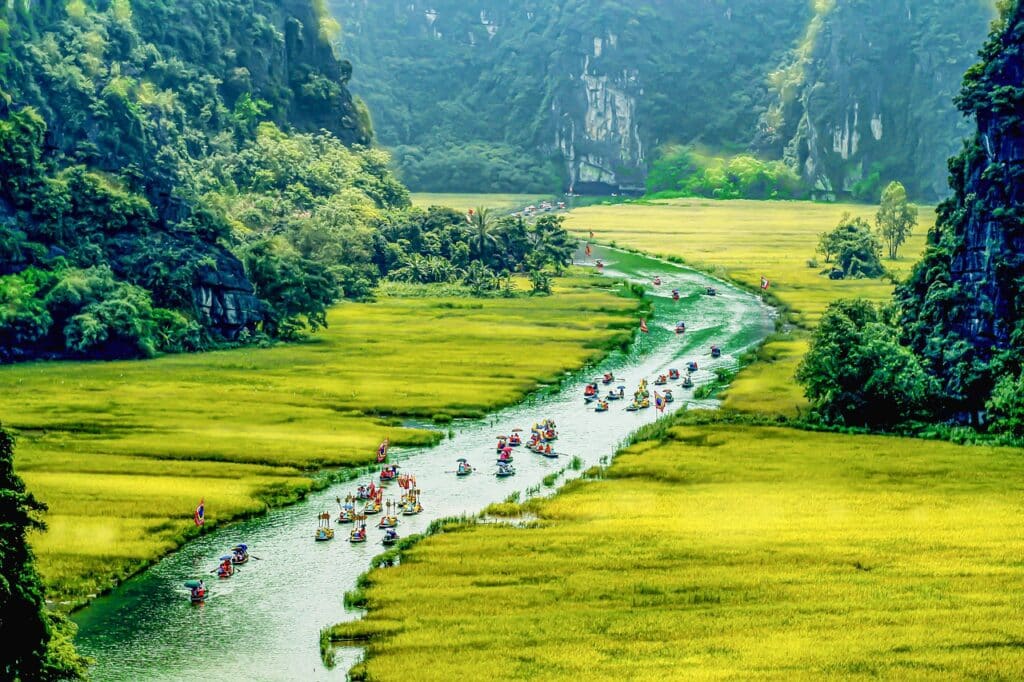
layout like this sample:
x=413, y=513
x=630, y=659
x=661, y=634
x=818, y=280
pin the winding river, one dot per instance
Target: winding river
x=264, y=623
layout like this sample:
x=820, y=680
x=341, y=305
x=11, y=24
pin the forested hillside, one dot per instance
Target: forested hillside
x=180, y=175
x=587, y=95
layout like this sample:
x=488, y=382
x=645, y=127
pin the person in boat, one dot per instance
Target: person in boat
x=226, y=569
x=675, y=294
x=390, y=534
x=547, y=448
x=199, y=591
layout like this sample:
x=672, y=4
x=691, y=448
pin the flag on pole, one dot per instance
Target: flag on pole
x=382, y=451
x=765, y=283
x=659, y=401
x=643, y=326
x=200, y=513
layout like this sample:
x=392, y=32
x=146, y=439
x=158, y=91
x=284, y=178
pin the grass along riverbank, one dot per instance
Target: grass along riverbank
x=732, y=552
x=501, y=203
x=123, y=451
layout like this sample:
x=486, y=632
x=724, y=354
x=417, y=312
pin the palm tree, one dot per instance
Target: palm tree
x=483, y=239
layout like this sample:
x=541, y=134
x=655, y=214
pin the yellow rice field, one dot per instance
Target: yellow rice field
x=727, y=553
x=125, y=450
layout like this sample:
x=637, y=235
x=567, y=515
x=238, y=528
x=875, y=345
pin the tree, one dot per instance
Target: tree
x=896, y=217
x=856, y=373
x=854, y=246
x=1006, y=407
x=483, y=240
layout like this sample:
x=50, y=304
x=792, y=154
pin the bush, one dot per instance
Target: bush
x=854, y=246
x=856, y=373
x=1006, y=407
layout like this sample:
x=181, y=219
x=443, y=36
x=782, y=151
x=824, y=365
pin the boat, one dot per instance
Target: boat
x=687, y=382
x=412, y=504
x=463, y=468
x=691, y=367
x=680, y=328
x=601, y=406
x=612, y=395
x=673, y=374
x=197, y=591
x=662, y=380
x=372, y=507
x=590, y=390
x=632, y=407
x=550, y=455
x=239, y=554
x=644, y=404
x=389, y=473
x=390, y=518
x=657, y=281
x=324, y=531
x=716, y=352
x=711, y=291
x=675, y=294
x=515, y=441
x=358, y=534
x=505, y=470
x=607, y=378
x=390, y=538
x=347, y=514
x=226, y=568
x=669, y=398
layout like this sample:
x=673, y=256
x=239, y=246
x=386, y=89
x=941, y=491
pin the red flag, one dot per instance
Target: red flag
x=643, y=326
x=765, y=283
x=200, y=513
x=659, y=402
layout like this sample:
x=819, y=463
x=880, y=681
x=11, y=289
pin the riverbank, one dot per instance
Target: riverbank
x=716, y=548
x=122, y=452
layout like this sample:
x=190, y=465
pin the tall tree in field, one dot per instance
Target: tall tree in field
x=896, y=217
x=483, y=239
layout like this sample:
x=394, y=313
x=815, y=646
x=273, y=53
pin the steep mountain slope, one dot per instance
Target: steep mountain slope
x=489, y=95
x=108, y=107
x=963, y=309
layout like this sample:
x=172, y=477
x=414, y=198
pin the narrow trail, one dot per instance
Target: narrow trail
x=264, y=623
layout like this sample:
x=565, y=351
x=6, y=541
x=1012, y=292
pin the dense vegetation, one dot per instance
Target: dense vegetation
x=156, y=199
x=959, y=315
x=37, y=645
x=590, y=94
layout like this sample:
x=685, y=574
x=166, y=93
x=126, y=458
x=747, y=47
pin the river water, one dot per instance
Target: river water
x=264, y=623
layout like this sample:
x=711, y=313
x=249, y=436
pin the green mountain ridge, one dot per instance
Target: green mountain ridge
x=581, y=95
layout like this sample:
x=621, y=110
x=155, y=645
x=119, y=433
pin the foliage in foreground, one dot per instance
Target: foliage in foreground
x=37, y=645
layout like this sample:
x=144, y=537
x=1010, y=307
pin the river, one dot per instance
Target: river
x=264, y=623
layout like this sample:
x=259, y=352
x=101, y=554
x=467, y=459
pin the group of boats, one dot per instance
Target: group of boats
x=542, y=435
x=367, y=501
x=229, y=563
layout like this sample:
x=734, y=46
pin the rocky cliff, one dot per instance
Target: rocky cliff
x=852, y=93
x=963, y=309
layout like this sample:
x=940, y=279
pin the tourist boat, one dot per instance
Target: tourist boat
x=673, y=374
x=358, y=534
x=505, y=470
x=716, y=352
x=680, y=328
x=372, y=507
x=515, y=440
x=691, y=367
x=390, y=538
x=711, y=291
x=412, y=504
x=389, y=473
x=675, y=294
x=687, y=382
x=657, y=281
x=239, y=554
x=662, y=380
x=607, y=378
x=347, y=515
x=324, y=531
x=463, y=468
x=197, y=591
x=550, y=455
x=669, y=398
x=590, y=391
x=633, y=407
x=226, y=568
x=601, y=407
x=644, y=404
x=389, y=520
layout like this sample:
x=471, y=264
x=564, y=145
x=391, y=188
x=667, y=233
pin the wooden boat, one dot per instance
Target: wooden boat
x=347, y=515
x=324, y=531
x=463, y=468
x=550, y=455
x=669, y=398
x=691, y=367
x=661, y=381
x=716, y=352
x=711, y=291
x=226, y=569
x=673, y=374
x=239, y=554
x=505, y=471
x=389, y=538
x=197, y=591
x=601, y=407
x=687, y=382
x=357, y=535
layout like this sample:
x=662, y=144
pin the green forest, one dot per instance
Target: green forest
x=599, y=96
x=169, y=191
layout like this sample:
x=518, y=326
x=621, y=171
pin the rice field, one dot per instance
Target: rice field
x=743, y=240
x=463, y=202
x=122, y=452
x=726, y=552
